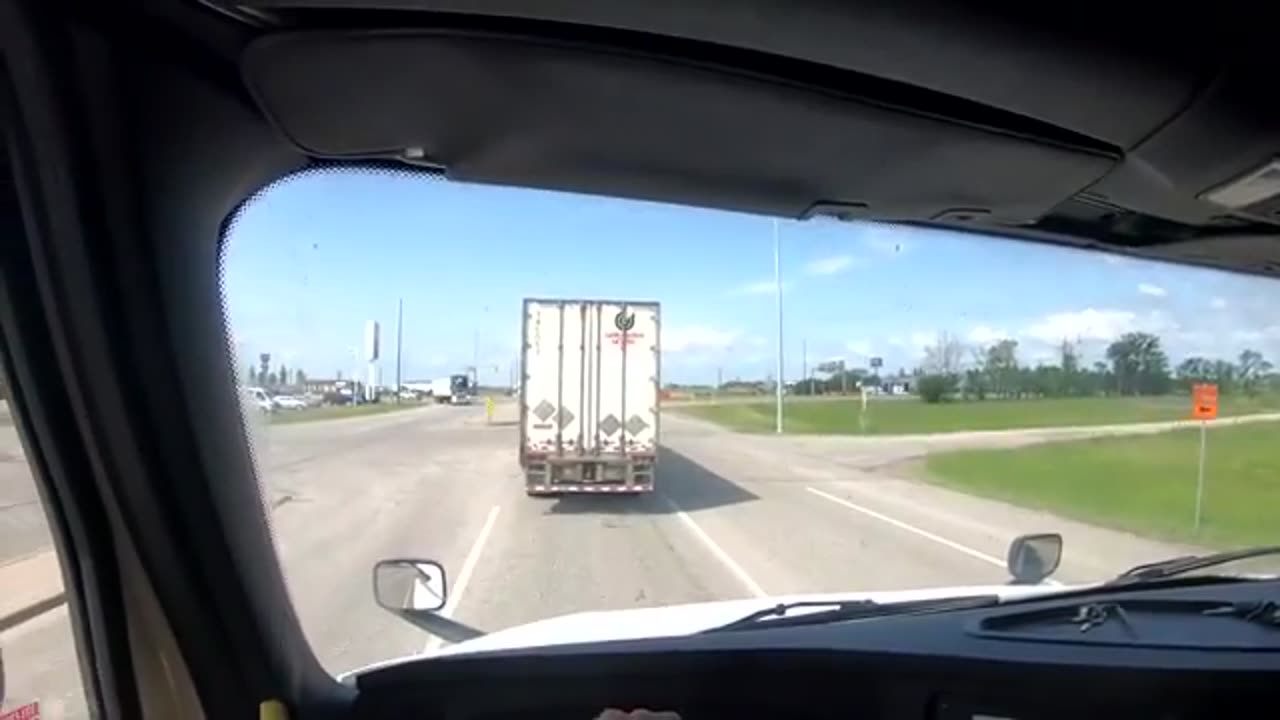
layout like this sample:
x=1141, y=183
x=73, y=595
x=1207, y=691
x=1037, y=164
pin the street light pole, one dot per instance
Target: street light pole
x=399, y=344
x=777, y=287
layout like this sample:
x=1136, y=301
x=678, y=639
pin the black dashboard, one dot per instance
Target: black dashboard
x=1033, y=659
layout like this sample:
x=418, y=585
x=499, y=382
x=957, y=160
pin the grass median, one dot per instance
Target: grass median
x=895, y=416
x=1142, y=484
x=336, y=412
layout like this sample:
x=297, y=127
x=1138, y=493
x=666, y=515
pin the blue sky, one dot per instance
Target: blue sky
x=315, y=256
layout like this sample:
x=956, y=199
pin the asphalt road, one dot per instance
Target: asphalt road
x=735, y=516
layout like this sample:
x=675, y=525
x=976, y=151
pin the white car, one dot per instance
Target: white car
x=289, y=402
x=261, y=399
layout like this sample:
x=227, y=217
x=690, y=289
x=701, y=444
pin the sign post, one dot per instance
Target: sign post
x=488, y=409
x=1204, y=407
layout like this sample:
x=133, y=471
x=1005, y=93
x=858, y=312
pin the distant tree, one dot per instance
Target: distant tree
x=837, y=380
x=1001, y=367
x=1251, y=369
x=299, y=376
x=1071, y=381
x=1140, y=365
x=944, y=356
x=974, y=384
x=269, y=380
x=1194, y=370
x=253, y=376
x=935, y=387
x=282, y=375
x=1100, y=378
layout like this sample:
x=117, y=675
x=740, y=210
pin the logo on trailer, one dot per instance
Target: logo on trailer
x=624, y=321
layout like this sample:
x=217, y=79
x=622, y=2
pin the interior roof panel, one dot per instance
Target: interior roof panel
x=529, y=113
x=1082, y=72
x=1089, y=127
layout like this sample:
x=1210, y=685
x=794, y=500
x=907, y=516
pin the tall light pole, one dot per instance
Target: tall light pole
x=399, y=345
x=777, y=287
x=475, y=352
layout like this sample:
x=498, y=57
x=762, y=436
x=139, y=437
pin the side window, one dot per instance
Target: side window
x=41, y=678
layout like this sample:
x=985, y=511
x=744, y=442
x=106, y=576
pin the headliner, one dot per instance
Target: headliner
x=1000, y=120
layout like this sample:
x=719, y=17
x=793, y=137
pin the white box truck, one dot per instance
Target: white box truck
x=589, y=417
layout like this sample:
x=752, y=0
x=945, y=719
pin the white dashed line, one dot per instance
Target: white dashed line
x=464, y=575
x=977, y=554
x=752, y=586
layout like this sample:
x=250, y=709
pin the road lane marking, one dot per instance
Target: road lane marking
x=464, y=575
x=989, y=559
x=752, y=586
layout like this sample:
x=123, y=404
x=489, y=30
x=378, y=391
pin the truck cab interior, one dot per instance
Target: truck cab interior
x=133, y=130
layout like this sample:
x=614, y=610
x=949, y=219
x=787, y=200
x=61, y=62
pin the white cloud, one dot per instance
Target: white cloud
x=1152, y=290
x=1110, y=259
x=1218, y=303
x=1087, y=324
x=921, y=340
x=763, y=287
x=859, y=347
x=983, y=335
x=830, y=265
x=697, y=337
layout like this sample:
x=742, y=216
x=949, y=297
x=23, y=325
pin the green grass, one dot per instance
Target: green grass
x=335, y=412
x=1144, y=485
x=890, y=416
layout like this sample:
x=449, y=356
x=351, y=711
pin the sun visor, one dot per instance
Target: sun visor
x=527, y=112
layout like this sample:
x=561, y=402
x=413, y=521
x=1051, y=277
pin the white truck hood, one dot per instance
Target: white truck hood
x=676, y=620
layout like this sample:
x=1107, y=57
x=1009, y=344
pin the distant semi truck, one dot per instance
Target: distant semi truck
x=589, y=417
x=452, y=389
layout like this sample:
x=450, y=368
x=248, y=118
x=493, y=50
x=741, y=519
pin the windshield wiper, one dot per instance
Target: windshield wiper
x=1190, y=563
x=780, y=615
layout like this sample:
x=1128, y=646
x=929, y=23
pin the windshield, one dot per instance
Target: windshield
x=678, y=405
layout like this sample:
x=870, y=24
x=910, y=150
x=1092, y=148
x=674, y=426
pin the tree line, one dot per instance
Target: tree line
x=1135, y=364
x=283, y=377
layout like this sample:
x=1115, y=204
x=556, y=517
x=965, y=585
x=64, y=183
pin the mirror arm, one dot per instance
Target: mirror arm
x=439, y=625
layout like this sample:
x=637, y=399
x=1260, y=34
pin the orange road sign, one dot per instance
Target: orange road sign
x=1204, y=401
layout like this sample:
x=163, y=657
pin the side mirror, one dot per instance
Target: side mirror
x=414, y=585
x=414, y=590
x=1032, y=558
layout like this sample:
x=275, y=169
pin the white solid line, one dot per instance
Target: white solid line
x=751, y=585
x=464, y=575
x=991, y=560
x=910, y=528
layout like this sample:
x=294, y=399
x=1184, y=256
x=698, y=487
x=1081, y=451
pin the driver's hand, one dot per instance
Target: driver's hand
x=637, y=714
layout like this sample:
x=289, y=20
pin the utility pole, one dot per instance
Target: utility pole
x=399, y=344
x=475, y=354
x=777, y=287
x=719, y=382
x=475, y=359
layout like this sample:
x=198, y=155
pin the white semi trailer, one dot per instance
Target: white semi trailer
x=589, y=416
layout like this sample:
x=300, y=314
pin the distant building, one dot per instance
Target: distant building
x=900, y=384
